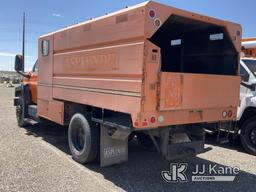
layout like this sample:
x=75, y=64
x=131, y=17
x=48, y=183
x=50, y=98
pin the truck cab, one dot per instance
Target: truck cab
x=26, y=93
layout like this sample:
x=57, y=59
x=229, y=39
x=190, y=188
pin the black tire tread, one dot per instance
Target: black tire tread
x=94, y=131
x=246, y=126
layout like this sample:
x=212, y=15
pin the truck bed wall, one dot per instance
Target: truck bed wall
x=106, y=63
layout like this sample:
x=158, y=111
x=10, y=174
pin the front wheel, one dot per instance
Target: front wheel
x=248, y=136
x=83, y=139
x=20, y=116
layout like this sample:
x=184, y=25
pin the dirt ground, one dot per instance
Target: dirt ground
x=37, y=158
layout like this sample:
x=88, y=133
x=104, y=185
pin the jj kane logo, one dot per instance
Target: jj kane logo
x=177, y=173
x=210, y=172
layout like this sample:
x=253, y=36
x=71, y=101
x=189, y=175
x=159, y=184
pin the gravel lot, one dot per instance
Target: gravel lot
x=38, y=159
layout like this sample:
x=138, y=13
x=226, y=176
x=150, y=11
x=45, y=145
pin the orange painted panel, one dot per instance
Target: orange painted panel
x=163, y=12
x=45, y=92
x=109, y=63
x=123, y=25
x=198, y=91
x=121, y=84
x=120, y=60
x=32, y=81
x=179, y=117
x=45, y=63
x=52, y=110
x=105, y=100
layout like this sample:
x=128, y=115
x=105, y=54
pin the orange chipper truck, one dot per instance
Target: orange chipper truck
x=150, y=70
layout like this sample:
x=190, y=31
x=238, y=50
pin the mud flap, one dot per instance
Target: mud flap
x=113, y=150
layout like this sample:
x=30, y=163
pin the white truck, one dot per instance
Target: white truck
x=245, y=126
x=246, y=114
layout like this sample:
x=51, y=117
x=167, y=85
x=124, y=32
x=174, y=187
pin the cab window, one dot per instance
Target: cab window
x=35, y=67
x=244, y=74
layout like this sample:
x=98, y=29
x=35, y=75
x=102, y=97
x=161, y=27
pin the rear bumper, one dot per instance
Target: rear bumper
x=183, y=117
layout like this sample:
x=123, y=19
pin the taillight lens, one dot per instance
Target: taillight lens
x=152, y=13
x=230, y=113
x=144, y=124
x=153, y=120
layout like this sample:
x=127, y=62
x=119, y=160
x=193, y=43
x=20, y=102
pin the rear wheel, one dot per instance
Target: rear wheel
x=83, y=138
x=248, y=136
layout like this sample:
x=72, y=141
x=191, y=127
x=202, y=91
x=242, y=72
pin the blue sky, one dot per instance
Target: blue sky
x=45, y=16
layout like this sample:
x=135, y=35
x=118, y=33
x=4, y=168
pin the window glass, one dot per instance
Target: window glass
x=45, y=47
x=251, y=64
x=35, y=67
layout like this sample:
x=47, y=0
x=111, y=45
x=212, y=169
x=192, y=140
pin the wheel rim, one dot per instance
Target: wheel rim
x=79, y=138
x=253, y=136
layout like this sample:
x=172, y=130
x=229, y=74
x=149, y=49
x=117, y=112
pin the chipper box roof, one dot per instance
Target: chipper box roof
x=149, y=70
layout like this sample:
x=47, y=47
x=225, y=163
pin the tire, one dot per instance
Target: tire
x=20, y=116
x=248, y=136
x=83, y=139
x=145, y=140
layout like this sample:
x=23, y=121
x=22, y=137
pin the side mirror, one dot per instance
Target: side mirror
x=19, y=63
x=245, y=77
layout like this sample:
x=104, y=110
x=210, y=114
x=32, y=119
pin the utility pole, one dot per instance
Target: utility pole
x=23, y=42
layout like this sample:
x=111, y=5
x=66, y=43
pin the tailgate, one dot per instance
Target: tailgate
x=198, y=91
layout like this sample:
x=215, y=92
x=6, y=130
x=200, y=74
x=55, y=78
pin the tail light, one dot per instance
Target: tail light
x=230, y=113
x=153, y=119
x=145, y=123
x=152, y=13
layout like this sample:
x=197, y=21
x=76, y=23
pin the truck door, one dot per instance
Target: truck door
x=245, y=92
x=33, y=82
x=245, y=78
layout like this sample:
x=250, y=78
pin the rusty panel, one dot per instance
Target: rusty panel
x=151, y=68
x=198, y=91
x=170, y=91
x=112, y=101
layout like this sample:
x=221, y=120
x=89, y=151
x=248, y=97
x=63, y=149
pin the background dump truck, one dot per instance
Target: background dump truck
x=151, y=70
